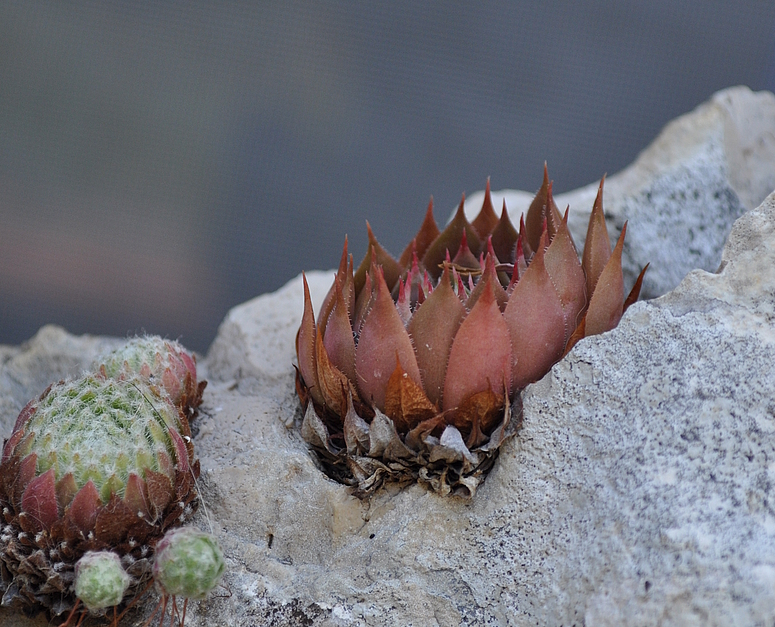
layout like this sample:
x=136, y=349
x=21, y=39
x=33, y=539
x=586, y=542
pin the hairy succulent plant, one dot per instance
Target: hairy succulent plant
x=188, y=564
x=95, y=464
x=414, y=367
x=100, y=580
x=162, y=362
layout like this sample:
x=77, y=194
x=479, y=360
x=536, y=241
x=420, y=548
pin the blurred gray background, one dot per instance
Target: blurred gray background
x=161, y=162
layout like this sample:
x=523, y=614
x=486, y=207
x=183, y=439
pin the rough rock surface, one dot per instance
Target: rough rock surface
x=639, y=491
x=682, y=193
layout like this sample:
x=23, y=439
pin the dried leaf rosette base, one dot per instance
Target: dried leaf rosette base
x=414, y=367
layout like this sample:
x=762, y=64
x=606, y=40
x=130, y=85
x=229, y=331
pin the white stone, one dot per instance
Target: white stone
x=682, y=193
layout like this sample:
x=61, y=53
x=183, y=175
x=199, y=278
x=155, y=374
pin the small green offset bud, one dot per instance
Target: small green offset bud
x=100, y=580
x=188, y=563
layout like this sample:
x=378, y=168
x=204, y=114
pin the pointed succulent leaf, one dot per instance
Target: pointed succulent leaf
x=338, y=340
x=428, y=232
x=562, y=264
x=543, y=208
x=333, y=384
x=402, y=304
x=306, y=347
x=449, y=240
x=330, y=298
x=632, y=297
x=378, y=255
x=39, y=500
x=536, y=322
x=66, y=489
x=363, y=303
x=606, y=304
x=24, y=415
x=83, y=508
x=432, y=329
x=136, y=496
x=464, y=260
x=486, y=220
x=504, y=238
x=597, y=247
x=405, y=402
x=382, y=338
x=480, y=357
x=489, y=280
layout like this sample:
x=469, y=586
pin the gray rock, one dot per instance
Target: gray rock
x=637, y=493
x=682, y=193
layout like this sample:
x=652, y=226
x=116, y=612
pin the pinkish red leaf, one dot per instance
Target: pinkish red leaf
x=39, y=500
x=489, y=276
x=606, y=304
x=66, y=489
x=597, y=247
x=25, y=414
x=464, y=259
x=432, y=328
x=542, y=209
x=632, y=297
x=328, y=301
x=487, y=219
x=480, y=357
x=333, y=384
x=383, y=339
x=338, y=340
x=136, y=496
x=428, y=232
x=305, y=347
x=562, y=264
x=181, y=453
x=504, y=238
x=83, y=508
x=377, y=254
x=536, y=322
x=449, y=240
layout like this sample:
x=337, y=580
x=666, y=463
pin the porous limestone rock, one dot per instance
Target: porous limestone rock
x=639, y=491
x=682, y=193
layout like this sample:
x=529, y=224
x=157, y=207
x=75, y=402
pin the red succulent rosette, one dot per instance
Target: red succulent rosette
x=414, y=367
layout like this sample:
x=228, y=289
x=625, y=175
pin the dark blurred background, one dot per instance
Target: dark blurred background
x=161, y=162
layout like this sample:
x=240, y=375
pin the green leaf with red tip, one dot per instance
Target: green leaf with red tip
x=487, y=219
x=83, y=508
x=383, y=338
x=480, y=357
x=504, y=238
x=180, y=450
x=449, y=240
x=432, y=329
x=428, y=232
x=562, y=264
x=339, y=340
x=607, y=302
x=536, y=322
x=305, y=347
x=39, y=500
x=66, y=489
x=136, y=496
x=597, y=246
x=376, y=254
